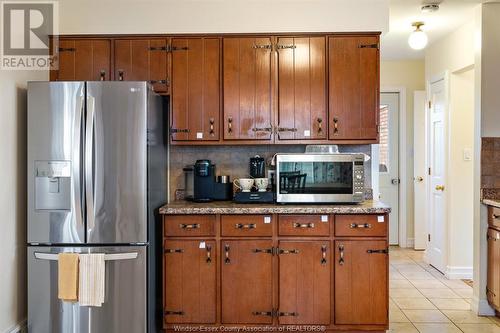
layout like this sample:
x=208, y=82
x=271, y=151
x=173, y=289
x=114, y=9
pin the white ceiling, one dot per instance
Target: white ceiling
x=451, y=15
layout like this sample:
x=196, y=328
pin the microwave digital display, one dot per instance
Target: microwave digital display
x=316, y=177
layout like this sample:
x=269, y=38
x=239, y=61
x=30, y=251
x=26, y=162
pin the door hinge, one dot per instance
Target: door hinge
x=429, y=171
x=430, y=104
x=429, y=237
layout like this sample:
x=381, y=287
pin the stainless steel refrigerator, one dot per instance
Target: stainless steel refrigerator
x=97, y=173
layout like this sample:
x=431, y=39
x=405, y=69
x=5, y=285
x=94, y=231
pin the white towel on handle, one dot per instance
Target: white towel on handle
x=92, y=274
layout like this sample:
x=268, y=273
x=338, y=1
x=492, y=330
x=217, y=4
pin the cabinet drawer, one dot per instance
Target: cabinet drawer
x=494, y=216
x=247, y=225
x=304, y=225
x=189, y=225
x=361, y=225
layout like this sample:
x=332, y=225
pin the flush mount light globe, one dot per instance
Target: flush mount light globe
x=418, y=38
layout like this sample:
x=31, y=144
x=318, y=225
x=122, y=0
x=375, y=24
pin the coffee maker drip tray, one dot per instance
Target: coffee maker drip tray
x=254, y=197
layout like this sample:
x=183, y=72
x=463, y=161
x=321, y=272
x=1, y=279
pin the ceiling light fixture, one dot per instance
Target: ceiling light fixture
x=430, y=8
x=418, y=38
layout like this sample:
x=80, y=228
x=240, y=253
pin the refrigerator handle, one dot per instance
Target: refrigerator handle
x=89, y=159
x=76, y=167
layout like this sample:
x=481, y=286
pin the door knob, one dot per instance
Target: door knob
x=395, y=181
x=419, y=179
x=439, y=187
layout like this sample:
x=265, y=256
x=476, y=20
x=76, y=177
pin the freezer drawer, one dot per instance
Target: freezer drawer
x=124, y=309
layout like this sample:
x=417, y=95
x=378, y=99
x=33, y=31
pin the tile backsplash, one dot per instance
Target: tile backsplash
x=490, y=167
x=233, y=160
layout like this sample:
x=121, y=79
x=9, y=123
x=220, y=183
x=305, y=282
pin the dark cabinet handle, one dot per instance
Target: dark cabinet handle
x=281, y=47
x=288, y=314
x=209, y=254
x=189, y=226
x=323, y=254
x=102, y=75
x=384, y=251
x=262, y=129
x=230, y=125
x=293, y=251
x=369, y=46
x=120, y=74
x=158, y=81
x=341, y=259
x=174, y=250
x=179, y=130
x=336, y=126
x=360, y=226
x=245, y=226
x=320, y=125
x=303, y=225
x=267, y=46
x=286, y=129
x=226, y=254
x=212, y=122
x=270, y=251
x=263, y=313
x=176, y=313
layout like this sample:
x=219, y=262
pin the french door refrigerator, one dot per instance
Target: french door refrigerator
x=97, y=173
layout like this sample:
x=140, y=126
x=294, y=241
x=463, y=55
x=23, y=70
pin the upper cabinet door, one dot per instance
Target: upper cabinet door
x=83, y=60
x=247, y=88
x=143, y=60
x=354, y=87
x=302, y=88
x=195, y=89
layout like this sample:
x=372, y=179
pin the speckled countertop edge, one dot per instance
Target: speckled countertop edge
x=492, y=202
x=228, y=207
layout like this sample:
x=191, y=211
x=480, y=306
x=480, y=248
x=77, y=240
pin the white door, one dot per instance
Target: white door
x=388, y=158
x=437, y=176
x=420, y=169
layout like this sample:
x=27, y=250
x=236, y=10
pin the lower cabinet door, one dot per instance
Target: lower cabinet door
x=493, y=277
x=304, y=283
x=361, y=282
x=189, y=271
x=246, y=282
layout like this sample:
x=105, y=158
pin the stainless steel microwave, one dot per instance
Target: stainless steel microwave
x=320, y=178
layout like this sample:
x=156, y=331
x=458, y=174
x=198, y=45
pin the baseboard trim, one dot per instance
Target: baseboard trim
x=482, y=307
x=19, y=328
x=458, y=272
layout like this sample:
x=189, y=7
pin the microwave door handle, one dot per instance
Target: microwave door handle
x=89, y=160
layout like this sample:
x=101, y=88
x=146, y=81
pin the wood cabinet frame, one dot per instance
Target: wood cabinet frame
x=275, y=239
x=274, y=82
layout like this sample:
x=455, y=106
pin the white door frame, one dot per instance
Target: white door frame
x=445, y=76
x=403, y=152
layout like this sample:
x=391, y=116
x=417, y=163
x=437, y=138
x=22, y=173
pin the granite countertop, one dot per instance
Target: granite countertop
x=492, y=202
x=229, y=207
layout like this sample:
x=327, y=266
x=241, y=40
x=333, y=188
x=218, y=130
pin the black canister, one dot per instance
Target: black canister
x=257, y=167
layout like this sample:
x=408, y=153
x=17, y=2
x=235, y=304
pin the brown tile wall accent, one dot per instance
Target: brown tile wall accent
x=233, y=160
x=490, y=166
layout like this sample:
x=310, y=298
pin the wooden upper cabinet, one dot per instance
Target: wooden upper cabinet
x=83, y=60
x=302, y=109
x=361, y=282
x=189, y=273
x=143, y=60
x=304, y=283
x=354, y=83
x=247, y=88
x=246, y=282
x=195, y=93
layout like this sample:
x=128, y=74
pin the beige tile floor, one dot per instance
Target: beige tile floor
x=423, y=300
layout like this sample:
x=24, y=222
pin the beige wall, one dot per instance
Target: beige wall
x=13, y=195
x=455, y=56
x=410, y=75
x=159, y=16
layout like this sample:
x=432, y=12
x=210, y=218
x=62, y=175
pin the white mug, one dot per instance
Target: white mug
x=262, y=184
x=244, y=184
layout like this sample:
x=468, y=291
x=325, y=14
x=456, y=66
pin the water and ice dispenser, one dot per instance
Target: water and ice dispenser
x=52, y=185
